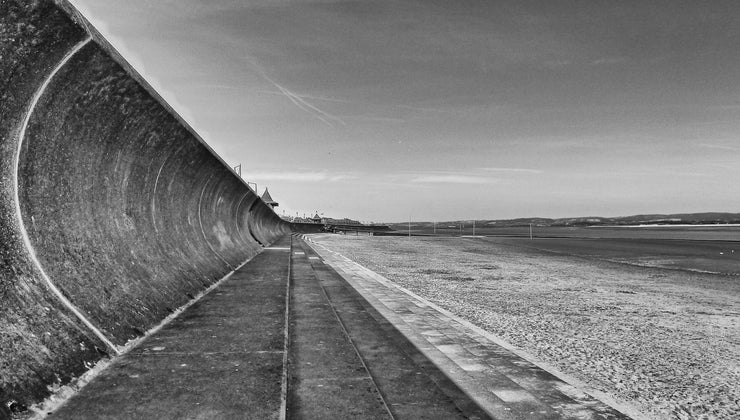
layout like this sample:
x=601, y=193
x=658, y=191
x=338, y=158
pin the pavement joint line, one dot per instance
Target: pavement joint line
x=206, y=353
x=472, y=386
x=286, y=340
x=352, y=342
x=338, y=378
x=460, y=328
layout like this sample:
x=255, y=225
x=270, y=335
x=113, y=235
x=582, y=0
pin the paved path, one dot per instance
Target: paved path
x=300, y=332
x=222, y=358
x=347, y=361
x=504, y=384
x=285, y=337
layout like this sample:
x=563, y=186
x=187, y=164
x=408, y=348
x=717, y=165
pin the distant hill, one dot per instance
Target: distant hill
x=641, y=219
x=653, y=219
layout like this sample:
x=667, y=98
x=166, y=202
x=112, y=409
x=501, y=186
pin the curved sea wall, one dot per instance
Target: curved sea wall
x=113, y=212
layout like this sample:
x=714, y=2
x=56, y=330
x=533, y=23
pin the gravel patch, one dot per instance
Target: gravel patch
x=666, y=341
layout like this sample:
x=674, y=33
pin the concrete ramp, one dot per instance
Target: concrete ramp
x=113, y=211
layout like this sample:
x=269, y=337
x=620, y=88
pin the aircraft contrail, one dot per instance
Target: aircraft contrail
x=297, y=100
x=302, y=104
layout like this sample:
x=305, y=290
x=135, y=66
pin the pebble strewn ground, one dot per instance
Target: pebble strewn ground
x=665, y=341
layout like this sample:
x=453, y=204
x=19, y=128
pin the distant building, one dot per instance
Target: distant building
x=268, y=199
x=316, y=218
x=345, y=221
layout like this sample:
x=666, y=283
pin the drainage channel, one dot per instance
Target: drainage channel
x=346, y=360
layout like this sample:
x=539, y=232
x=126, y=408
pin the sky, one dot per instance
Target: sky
x=445, y=110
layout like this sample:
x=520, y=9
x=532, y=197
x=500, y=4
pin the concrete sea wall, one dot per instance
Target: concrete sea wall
x=113, y=212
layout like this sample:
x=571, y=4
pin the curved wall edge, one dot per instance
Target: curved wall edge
x=113, y=211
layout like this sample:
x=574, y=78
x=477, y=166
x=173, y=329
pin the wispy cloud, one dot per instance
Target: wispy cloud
x=719, y=147
x=308, y=176
x=269, y=92
x=608, y=60
x=557, y=63
x=376, y=119
x=452, y=179
x=521, y=170
x=642, y=174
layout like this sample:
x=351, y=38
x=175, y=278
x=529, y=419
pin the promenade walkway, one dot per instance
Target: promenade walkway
x=503, y=383
x=299, y=332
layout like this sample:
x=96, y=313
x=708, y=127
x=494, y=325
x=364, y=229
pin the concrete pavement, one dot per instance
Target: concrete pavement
x=300, y=332
x=284, y=337
x=222, y=358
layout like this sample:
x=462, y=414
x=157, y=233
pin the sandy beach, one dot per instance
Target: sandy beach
x=666, y=341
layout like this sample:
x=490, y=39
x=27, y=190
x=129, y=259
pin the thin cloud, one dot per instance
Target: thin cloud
x=524, y=170
x=336, y=178
x=377, y=119
x=719, y=147
x=452, y=179
x=724, y=166
x=322, y=114
x=608, y=60
x=311, y=176
x=557, y=63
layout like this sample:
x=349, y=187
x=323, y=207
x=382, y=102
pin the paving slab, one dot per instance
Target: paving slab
x=502, y=382
x=327, y=378
x=222, y=358
x=407, y=384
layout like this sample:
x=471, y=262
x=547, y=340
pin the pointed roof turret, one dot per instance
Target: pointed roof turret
x=268, y=199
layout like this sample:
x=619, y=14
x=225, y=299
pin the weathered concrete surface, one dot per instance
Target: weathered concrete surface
x=222, y=358
x=113, y=212
x=284, y=337
x=348, y=361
